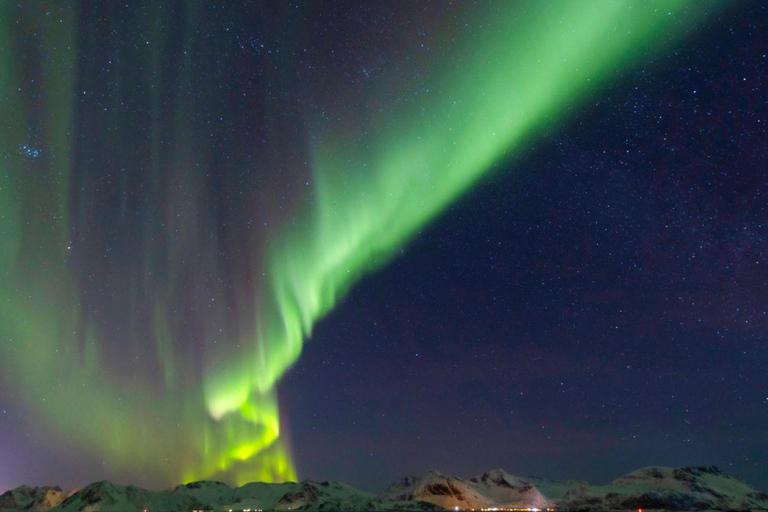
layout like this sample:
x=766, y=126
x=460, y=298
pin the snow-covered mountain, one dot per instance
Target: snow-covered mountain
x=434, y=487
x=683, y=488
x=690, y=488
x=105, y=496
x=32, y=498
x=203, y=496
x=501, y=487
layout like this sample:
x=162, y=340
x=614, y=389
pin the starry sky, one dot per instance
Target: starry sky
x=360, y=240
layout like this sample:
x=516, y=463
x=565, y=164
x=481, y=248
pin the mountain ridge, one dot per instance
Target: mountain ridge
x=653, y=487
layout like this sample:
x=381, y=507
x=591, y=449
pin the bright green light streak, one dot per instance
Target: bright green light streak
x=512, y=79
x=66, y=384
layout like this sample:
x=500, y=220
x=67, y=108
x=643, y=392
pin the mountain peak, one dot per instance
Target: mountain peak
x=32, y=498
x=497, y=476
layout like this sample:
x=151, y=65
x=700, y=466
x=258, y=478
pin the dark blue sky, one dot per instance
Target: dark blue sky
x=598, y=305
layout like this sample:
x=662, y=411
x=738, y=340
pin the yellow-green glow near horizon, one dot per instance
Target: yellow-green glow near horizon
x=512, y=74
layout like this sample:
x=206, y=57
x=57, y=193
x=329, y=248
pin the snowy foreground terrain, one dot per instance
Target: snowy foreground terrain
x=652, y=488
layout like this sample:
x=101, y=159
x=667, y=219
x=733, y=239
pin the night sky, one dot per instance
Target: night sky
x=361, y=240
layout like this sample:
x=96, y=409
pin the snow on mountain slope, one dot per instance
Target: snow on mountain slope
x=31, y=498
x=506, y=490
x=434, y=487
x=108, y=497
x=689, y=488
x=325, y=496
x=260, y=495
x=207, y=495
x=495, y=488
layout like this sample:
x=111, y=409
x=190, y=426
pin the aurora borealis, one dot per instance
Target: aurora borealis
x=188, y=188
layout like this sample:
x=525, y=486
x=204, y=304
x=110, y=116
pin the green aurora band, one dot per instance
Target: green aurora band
x=513, y=77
